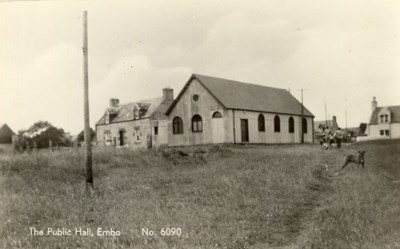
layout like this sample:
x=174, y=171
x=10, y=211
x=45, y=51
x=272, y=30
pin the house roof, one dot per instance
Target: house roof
x=243, y=96
x=5, y=130
x=125, y=112
x=395, y=111
x=322, y=123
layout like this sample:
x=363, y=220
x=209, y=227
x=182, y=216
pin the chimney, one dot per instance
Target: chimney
x=374, y=104
x=168, y=94
x=114, y=102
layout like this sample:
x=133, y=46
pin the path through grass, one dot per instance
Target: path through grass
x=228, y=197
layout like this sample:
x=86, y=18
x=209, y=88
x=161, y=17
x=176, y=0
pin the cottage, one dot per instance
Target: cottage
x=324, y=126
x=384, y=122
x=211, y=110
x=140, y=124
x=6, y=138
x=321, y=126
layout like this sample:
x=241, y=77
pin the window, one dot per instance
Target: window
x=196, y=97
x=107, y=119
x=177, y=125
x=155, y=130
x=382, y=132
x=137, y=137
x=291, y=125
x=107, y=137
x=277, y=124
x=217, y=115
x=304, y=125
x=261, y=123
x=387, y=132
x=197, y=123
x=384, y=118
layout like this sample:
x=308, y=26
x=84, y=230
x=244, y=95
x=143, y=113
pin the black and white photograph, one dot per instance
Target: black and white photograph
x=199, y=124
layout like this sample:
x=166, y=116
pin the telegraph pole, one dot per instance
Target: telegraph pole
x=88, y=145
x=302, y=117
x=326, y=117
x=346, y=123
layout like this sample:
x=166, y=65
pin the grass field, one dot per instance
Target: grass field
x=287, y=196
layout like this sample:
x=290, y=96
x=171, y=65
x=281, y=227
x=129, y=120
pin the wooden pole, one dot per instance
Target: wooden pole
x=326, y=117
x=88, y=145
x=302, y=117
x=346, y=124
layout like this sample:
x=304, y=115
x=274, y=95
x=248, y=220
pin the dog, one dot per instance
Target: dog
x=358, y=159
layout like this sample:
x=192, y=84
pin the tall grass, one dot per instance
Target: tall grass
x=221, y=197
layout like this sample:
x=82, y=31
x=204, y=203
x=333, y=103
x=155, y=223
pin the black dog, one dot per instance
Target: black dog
x=358, y=159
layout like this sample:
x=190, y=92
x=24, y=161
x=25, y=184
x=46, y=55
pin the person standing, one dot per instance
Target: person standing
x=338, y=137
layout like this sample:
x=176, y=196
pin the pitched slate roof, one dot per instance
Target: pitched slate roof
x=395, y=111
x=6, y=127
x=322, y=123
x=5, y=134
x=243, y=96
x=125, y=112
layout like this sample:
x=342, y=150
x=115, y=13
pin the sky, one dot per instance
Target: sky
x=342, y=53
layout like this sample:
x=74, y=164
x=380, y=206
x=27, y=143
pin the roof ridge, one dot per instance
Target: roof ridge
x=388, y=106
x=140, y=101
x=239, y=82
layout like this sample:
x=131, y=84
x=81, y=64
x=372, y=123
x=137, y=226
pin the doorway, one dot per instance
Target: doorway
x=244, y=125
x=121, y=137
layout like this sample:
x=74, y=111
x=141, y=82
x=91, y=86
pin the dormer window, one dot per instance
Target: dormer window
x=384, y=118
x=135, y=112
x=107, y=119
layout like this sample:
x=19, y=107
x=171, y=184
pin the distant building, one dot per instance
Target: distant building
x=140, y=124
x=354, y=132
x=6, y=138
x=384, y=122
x=211, y=110
x=321, y=126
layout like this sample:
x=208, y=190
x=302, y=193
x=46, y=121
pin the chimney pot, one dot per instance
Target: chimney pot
x=114, y=102
x=374, y=104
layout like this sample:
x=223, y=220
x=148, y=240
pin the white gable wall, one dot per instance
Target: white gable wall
x=186, y=108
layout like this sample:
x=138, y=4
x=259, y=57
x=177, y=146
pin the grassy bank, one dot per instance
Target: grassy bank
x=220, y=197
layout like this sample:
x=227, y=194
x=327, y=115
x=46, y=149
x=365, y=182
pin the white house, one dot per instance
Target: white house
x=384, y=122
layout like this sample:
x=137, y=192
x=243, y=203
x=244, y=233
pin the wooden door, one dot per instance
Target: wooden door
x=244, y=125
x=121, y=138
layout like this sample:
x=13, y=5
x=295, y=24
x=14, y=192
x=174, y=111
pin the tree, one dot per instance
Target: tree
x=41, y=133
x=81, y=135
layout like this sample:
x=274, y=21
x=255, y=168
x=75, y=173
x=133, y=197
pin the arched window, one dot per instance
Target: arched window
x=277, y=124
x=197, y=123
x=291, y=125
x=261, y=123
x=177, y=125
x=304, y=125
x=217, y=115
